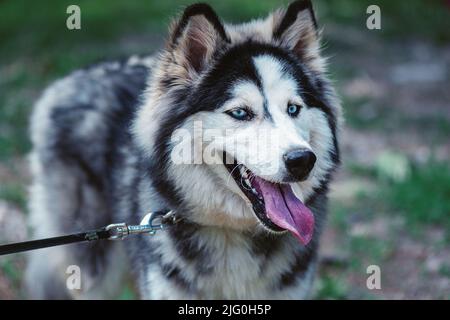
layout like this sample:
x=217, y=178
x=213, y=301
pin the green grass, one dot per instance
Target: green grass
x=339, y=215
x=32, y=28
x=127, y=294
x=445, y=270
x=10, y=270
x=423, y=198
x=367, y=249
x=13, y=129
x=14, y=193
x=44, y=27
x=369, y=114
x=13, y=271
x=406, y=19
x=330, y=287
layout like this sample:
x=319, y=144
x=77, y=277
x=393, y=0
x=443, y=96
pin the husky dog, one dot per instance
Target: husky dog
x=248, y=225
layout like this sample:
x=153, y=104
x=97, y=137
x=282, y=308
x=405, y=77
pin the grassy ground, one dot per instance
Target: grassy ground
x=389, y=205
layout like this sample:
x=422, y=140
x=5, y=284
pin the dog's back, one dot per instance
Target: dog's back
x=76, y=127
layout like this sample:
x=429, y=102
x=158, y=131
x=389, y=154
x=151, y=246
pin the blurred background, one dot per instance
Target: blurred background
x=390, y=202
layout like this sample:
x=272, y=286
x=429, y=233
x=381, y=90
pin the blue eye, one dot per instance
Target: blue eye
x=293, y=110
x=240, y=114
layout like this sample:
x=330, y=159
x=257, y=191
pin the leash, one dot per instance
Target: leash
x=151, y=223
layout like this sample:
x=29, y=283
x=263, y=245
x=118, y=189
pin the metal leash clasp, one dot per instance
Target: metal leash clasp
x=151, y=223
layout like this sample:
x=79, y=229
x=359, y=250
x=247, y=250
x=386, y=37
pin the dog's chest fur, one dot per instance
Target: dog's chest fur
x=188, y=261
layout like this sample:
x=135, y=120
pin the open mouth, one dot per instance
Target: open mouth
x=275, y=204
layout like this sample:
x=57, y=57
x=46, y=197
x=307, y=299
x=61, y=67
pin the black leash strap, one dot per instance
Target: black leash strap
x=98, y=234
x=151, y=223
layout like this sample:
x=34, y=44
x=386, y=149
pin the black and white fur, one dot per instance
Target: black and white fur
x=101, y=154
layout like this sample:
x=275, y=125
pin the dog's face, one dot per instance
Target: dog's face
x=251, y=108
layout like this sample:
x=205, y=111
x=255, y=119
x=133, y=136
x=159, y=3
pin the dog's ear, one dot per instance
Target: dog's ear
x=196, y=36
x=296, y=29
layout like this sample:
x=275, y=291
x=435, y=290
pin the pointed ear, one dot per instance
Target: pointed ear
x=196, y=36
x=296, y=29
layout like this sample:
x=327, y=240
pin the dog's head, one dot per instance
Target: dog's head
x=240, y=122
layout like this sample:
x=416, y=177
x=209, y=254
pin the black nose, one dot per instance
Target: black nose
x=299, y=162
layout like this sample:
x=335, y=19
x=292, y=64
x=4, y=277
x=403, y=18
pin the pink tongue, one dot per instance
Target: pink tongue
x=286, y=210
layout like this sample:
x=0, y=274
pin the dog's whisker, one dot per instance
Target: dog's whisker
x=230, y=175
